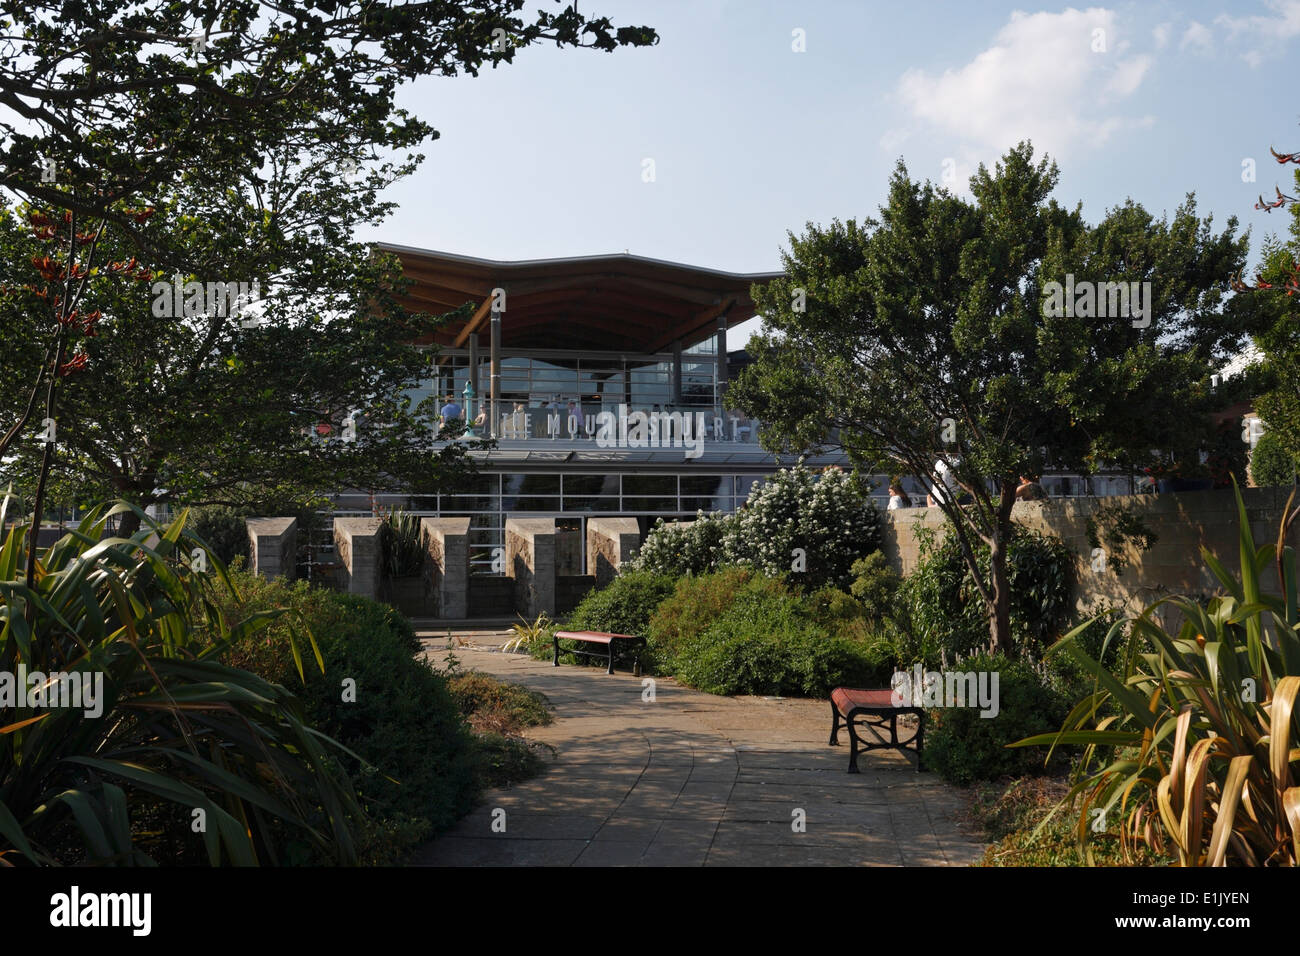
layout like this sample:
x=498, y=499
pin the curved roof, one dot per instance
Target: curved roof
x=618, y=302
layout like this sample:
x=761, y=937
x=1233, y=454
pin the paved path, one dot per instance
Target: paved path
x=692, y=779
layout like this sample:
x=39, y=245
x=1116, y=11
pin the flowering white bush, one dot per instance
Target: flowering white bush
x=693, y=547
x=814, y=525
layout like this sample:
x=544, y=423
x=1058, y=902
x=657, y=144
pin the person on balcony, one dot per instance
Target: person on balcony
x=450, y=413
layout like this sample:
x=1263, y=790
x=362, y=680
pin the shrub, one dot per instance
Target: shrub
x=1202, y=760
x=114, y=787
x=827, y=516
x=962, y=747
x=225, y=529
x=403, y=547
x=625, y=605
x=768, y=641
x=875, y=585
x=1018, y=816
x=947, y=615
x=694, y=604
x=420, y=771
x=498, y=711
x=1272, y=463
x=490, y=705
x=682, y=547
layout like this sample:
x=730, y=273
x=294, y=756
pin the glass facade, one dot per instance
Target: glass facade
x=536, y=386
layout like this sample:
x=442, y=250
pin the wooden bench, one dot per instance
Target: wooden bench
x=597, y=637
x=874, y=708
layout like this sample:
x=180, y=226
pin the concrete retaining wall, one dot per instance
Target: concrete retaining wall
x=1184, y=523
x=610, y=542
x=449, y=564
x=356, y=540
x=530, y=561
x=273, y=544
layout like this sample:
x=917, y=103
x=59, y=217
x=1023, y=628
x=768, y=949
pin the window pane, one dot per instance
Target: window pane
x=650, y=485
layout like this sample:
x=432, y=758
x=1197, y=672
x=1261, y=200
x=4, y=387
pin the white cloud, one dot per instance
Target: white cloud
x=1197, y=37
x=1160, y=35
x=1267, y=34
x=1052, y=78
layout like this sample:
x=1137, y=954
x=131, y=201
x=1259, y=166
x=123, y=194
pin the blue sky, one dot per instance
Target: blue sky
x=749, y=138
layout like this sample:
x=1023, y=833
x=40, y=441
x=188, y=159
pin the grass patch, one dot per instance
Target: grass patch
x=498, y=712
x=1008, y=811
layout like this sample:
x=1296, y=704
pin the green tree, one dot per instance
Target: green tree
x=1273, y=312
x=926, y=336
x=220, y=143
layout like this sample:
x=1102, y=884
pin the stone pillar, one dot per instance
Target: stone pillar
x=449, y=564
x=610, y=542
x=273, y=544
x=356, y=540
x=530, y=560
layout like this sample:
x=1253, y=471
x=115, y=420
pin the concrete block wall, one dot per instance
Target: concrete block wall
x=1184, y=523
x=610, y=542
x=530, y=561
x=356, y=540
x=448, y=566
x=273, y=544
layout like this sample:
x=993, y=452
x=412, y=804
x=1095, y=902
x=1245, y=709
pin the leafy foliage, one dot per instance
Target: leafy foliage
x=625, y=605
x=827, y=517
x=883, y=330
x=962, y=747
x=403, y=545
x=950, y=622
x=1271, y=463
x=692, y=607
x=875, y=585
x=813, y=524
x=415, y=763
x=180, y=729
x=683, y=547
x=1200, y=760
x=769, y=640
x=226, y=530
x=245, y=144
x=533, y=636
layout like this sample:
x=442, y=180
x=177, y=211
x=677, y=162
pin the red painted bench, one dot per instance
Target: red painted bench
x=596, y=637
x=874, y=708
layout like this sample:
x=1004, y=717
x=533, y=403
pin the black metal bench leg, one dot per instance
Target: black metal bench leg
x=920, y=740
x=853, y=739
x=835, y=726
x=610, y=669
x=556, y=641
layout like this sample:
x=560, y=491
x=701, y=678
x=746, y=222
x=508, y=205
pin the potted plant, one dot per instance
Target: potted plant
x=403, y=552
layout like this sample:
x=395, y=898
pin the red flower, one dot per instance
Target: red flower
x=75, y=364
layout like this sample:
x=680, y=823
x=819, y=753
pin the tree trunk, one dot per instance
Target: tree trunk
x=128, y=524
x=999, y=613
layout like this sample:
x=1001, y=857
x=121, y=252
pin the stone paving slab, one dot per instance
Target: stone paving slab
x=693, y=780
